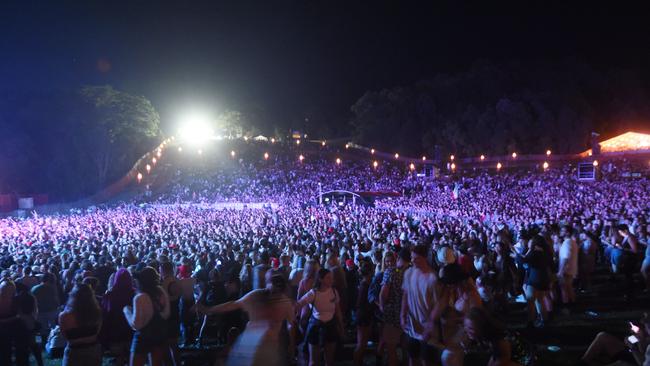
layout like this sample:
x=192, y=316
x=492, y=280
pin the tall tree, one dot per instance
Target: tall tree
x=122, y=127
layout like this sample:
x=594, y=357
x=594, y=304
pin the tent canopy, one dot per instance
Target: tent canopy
x=629, y=142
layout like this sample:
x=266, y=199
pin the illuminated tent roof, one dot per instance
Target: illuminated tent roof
x=629, y=142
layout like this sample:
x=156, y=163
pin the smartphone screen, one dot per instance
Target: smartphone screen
x=632, y=339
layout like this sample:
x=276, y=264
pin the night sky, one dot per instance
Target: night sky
x=291, y=60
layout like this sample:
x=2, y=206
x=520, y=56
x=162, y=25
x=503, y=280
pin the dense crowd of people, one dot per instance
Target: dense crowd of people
x=425, y=275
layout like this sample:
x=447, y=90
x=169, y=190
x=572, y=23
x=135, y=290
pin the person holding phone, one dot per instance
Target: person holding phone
x=633, y=349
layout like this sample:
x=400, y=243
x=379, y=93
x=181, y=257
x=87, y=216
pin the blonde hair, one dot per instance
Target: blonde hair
x=387, y=254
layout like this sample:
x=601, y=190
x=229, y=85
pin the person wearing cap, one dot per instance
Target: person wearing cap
x=457, y=293
x=148, y=317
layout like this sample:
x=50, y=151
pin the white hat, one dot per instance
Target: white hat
x=446, y=255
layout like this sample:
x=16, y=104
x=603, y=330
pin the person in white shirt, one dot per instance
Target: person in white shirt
x=568, y=265
x=418, y=303
x=326, y=322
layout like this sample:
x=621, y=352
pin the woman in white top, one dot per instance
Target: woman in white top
x=326, y=323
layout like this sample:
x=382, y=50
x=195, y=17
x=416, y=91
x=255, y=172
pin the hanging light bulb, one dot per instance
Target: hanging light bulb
x=375, y=164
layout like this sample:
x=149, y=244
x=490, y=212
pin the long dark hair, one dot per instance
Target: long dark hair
x=83, y=304
x=319, y=279
x=148, y=282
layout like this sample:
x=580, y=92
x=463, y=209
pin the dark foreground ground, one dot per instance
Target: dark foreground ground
x=603, y=308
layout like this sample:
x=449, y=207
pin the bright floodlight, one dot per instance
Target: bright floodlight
x=195, y=128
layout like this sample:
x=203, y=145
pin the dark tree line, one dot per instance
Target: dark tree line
x=70, y=144
x=496, y=109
